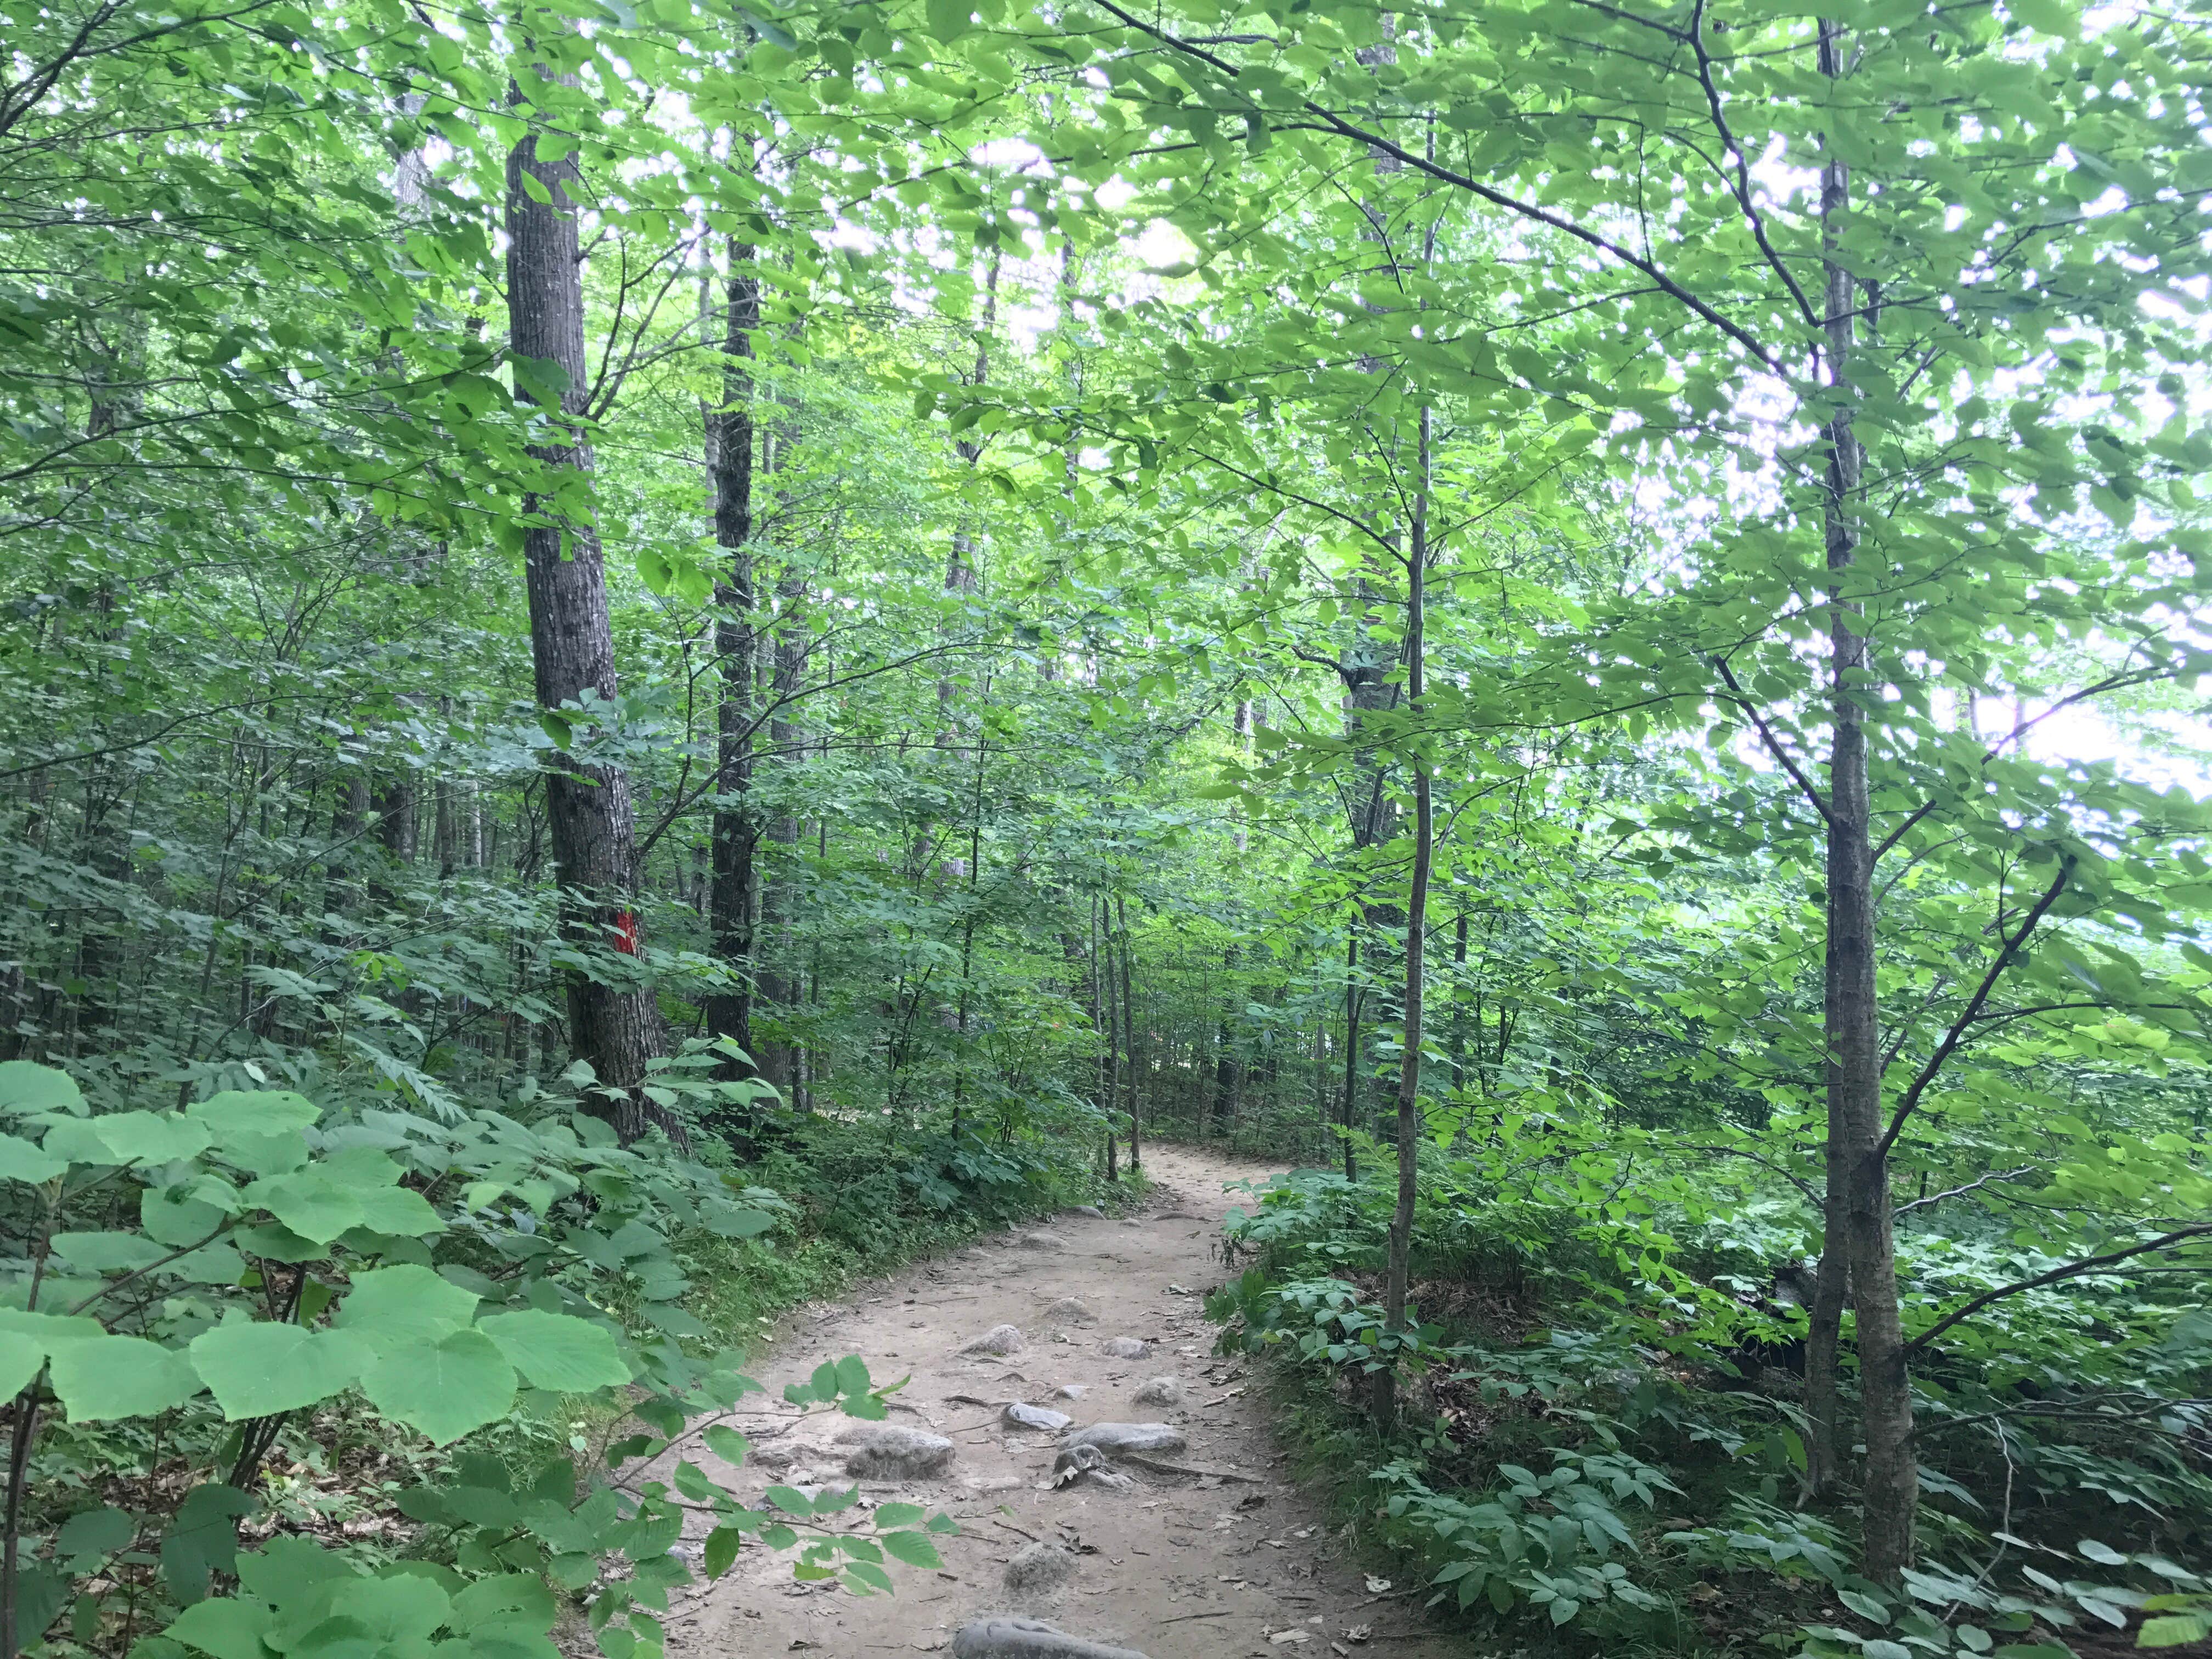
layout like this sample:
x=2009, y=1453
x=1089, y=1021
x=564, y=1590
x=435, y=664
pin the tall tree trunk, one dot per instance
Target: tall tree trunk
x=1890, y=1484
x=612, y=1029
x=1129, y=1038
x=1352, y=997
x=733, y=888
x=1228, y=1069
x=1103, y=1019
x=1417, y=910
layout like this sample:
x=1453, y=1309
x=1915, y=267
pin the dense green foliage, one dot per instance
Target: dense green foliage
x=1606, y=600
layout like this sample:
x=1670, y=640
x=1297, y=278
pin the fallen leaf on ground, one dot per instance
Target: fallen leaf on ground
x=1376, y=1586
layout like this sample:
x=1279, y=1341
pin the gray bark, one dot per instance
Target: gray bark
x=613, y=1029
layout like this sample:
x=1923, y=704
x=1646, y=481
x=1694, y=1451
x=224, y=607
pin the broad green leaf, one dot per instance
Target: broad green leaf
x=721, y=1549
x=726, y=1443
x=309, y=1203
x=912, y=1547
x=237, y=1112
x=95, y=1532
x=444, y=1388
x=20, y=1360
x=558, y=1350
x=115, y=1376
x=106, y=1252
x=27, y=1087
x=151, y=1137
x=20, y=1160
x=402, y=1609
x=203, y=1539
x=257, y=1368
x=228, y=1627
x=403, y=1303
x=401, y=1212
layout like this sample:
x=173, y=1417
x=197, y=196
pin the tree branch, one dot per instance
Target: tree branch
x=2071, y=1270
x=1332, y=122
x=1957, y=1034
x=1773, y=743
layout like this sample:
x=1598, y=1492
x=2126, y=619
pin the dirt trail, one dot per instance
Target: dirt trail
x=1176, y=1567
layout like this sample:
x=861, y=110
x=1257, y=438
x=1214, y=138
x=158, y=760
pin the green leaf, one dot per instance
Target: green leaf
x=95, y=1532
x=444, y=1388
x=203, y=1539
x=20, y=1360
x=726, y=1443
x=151, y=1137
x=228, y=1627
x=558, y=1350
x=852, y=1375
x=721, y=1549
x=106, y=1252
x=399, y=1211
x=405, y=1303
x=115, y=1376
x=27, y=1087
x=949, y=18
x=309, y=1203
x=1865, y=1606
x=534, y=187
x=406, y=1608
x=791, y=1501
x=237, y=1112
x=912, y=1547
x=257, y=1368
x=20, y=1160
x=1881, y=1648
x=898, y=1514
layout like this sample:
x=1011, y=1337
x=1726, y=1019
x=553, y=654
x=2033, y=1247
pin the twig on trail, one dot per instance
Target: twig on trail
x=1144, y=1462
x=1223, y=1613
x=1014, y=1529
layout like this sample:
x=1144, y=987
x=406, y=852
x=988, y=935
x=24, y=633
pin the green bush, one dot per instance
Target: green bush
x=186, y=1283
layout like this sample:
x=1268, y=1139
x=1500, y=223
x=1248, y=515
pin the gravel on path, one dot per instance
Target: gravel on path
x=1173, y=1565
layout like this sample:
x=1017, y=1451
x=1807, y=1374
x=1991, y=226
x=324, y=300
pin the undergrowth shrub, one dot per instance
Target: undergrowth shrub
x=204, y=1313
x=1602, y=1445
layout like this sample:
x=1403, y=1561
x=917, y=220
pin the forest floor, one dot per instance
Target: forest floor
x=1177, y=1566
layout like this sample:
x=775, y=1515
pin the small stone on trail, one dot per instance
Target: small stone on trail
x=1090, y=1210
x=891, y=1451
x=1158, y=1391
x=1041, y=1241
x=999, y=1339
x=1131, y=1221
x=1074, y=1309
x=1126, y=1348
x=1114, y=1438
x=1040, y=1567
x=1027, y=1638
x=1019, y=1416
x=1071, y=1391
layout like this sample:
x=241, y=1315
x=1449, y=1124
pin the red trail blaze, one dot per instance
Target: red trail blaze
x=626, y=939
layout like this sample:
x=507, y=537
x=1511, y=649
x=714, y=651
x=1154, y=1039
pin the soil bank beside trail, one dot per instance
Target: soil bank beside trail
x=1174, y=1567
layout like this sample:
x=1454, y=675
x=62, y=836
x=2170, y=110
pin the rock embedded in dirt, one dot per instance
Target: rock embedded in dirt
x=1000, y=1340
x=1090, y=1210
x=1027, y=1639
x=1071, y=1391
x=1039, y=1567
x=892, y=1451
x=1071, y=1311
x=1041, y=1241
x=1126, y=1347
x=1116, y=1438
x=1019, y=1416
x=1158, y=1391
